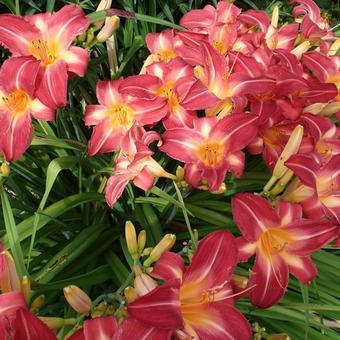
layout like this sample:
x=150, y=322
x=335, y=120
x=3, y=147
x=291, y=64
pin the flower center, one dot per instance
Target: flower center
x=220, y=46
x=41, y=50
x=16, y=102
x=168, y=92
x=166, y=55
x=210, y=153
x=121, y=116
x=273, y=241
x=323, y=149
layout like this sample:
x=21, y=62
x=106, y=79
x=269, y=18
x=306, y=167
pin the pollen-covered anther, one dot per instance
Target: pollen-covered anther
x=210, y=153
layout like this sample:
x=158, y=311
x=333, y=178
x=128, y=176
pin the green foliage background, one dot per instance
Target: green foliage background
x=55, y=220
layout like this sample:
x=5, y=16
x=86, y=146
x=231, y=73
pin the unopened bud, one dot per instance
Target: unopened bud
x=180, y=173
x=221, y=190
x=5, y=169
x=333, y=50
x=239, y=281
x=110, y=26
x=131, y=239
x=56, y=323
x=141, y=240
x=291, y=148
x=195, y=231
x=37, y=303
x=130, y=294
x=275, y=16
x=165, y=244
x=147, y=251
x=144, y=284
x=26, y=288
x=9, y=279
x=299, y=50
x=77, y=299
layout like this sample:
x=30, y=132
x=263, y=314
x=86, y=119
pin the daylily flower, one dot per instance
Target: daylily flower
x=175, y=82
x=313, y=27
x=211, y=148
x=199, y=303
x=282, y=241
x=323, y=182
x=136, y=165
x=103, y=328
x=218, y=77
x=48, y=37
x=117, y=113
x=17, y=104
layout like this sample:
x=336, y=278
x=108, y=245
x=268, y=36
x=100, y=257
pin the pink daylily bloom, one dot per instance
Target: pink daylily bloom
x=161, y=45
x=136, y=165
x=117, y=113
x=18, y=77
x=200, y=303
x=48, y=37
x=282, y=241
x=172, y=81
x=211, y=148
x=324, y=180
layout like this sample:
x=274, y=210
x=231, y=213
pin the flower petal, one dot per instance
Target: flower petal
x=270, y=278
x=66, y=24
x=310, y=235
x=11, y=302
x=253, y=214
x=158, y=308
x=134, y=329
x=15, y=133
x=169, y=266
x=52, y=85
x=211, y=266
x=289, y=212
x=17, y=34
x=302, y=267
x=41, y=111
x=115, y=187
x=77, y=60
x=102, y=328
x=218, y=321
x=245, y=249
x=28, y=326
x=19, y=73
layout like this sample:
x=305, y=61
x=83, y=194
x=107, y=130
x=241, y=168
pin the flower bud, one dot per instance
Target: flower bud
x=221, y=190
x=299, y=50
x=275, y=16
x=165, y=244
x=56, y=323
x=147, y=251
x=130, y=294
x=37, y=303
x=131, y=240
x=180, y=173
x=5, y=169
x=240, y=282
x=77, y=299
x=110, y=26
x=291, y=148
x=144, y=284
x=26, y=288
x=9, y=279
x=141, y=240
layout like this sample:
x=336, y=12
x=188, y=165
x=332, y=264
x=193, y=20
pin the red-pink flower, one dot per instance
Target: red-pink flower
x=48, y=37
x=175, y=82
x=18, y=76
x=211, y=148
x=136, y=165
x=117, y=113
x=282, y=241
x=323, y=182
x=196, y=300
